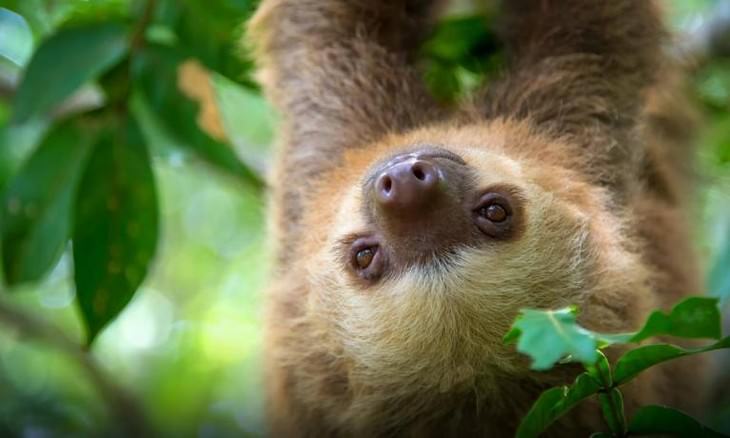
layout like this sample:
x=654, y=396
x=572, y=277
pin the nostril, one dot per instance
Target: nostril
x=386, y=183
x=418, y=172
x=407, y=185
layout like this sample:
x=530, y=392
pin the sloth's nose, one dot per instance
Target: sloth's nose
x=407, y=186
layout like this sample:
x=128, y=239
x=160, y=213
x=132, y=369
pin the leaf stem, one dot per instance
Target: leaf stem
x=609, y=396
x=144, y=22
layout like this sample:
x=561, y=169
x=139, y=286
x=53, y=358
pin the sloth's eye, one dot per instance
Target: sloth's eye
x=494, y=212
x=493, y=215
x=364, y=257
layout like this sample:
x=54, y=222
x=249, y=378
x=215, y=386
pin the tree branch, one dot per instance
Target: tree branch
x=122, y=407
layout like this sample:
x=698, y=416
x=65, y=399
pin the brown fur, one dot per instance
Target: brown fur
x=570, y=125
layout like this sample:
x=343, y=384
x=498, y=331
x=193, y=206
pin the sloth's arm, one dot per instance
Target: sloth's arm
x=578, y=70
x=340, y=70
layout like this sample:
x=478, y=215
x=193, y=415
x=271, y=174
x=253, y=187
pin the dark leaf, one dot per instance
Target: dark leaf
x=222, y=22
x=694, y=317
x=641, y=358
x=661, y=420
x=180, y=116
x=36, y=207
x=458, y=55
x=553, y=404
x=66, y=61
x=460, y=39
x=115, y=228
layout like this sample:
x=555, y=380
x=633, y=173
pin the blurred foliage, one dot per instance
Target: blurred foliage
x=132, y=140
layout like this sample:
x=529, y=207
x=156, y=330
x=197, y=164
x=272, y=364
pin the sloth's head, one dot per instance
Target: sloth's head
x=424, y=254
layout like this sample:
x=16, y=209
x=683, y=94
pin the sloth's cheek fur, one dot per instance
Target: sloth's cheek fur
x=438, y=321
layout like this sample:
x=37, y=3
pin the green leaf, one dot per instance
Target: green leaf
x=116, y=226
x=694, y=317
x=16, y=43
x=554, y=403
x=641, y=358
x=612, y=406
x=601, y=371
x=458, y=55
x=661, y=420
x=222, y=22
x=178, y=115
x=459, y=38
x=36, y=207
x=65, y=62
x=550, y=335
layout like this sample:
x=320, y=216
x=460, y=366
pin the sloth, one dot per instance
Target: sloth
x=408, y=234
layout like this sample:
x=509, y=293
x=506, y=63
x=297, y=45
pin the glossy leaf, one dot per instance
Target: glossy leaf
x=641, y=358
x=36, y=207
x=694, y=317
x=547, y=336
x=116, y=226
x=554, y=403
x=179, y=116
x=661, y=420
x=77, y=55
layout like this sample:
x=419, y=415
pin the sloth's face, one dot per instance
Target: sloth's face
x=426, y=253
x=422, y=206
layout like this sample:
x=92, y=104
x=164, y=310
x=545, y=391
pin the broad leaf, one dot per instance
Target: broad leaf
x=641, y=358
x=116, y=226
x=36, y=207
x=66, y=61
x=694, y=317
x=179, y=116
x=550, y=335
x=554, y=403
x=661, y=420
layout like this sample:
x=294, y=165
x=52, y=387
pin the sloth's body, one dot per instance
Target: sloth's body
x=408, y=235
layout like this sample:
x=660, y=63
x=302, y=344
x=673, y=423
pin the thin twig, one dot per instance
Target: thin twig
x=122, y=407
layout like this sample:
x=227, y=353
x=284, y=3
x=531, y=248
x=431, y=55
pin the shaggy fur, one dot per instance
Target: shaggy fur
x=580, y=126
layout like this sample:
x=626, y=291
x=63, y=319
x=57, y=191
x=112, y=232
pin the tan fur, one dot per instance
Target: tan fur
x=420, y=353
